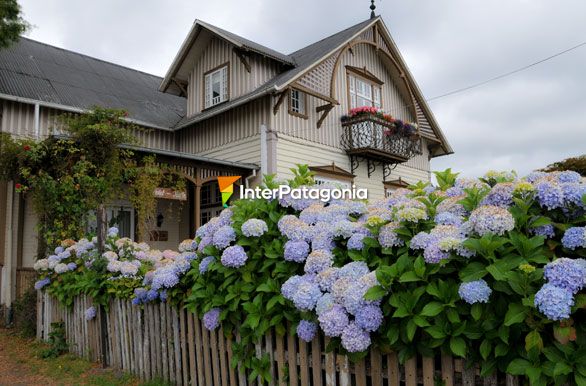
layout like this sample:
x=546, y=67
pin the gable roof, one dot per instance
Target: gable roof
x=309, y=57
x=36, y=71
x=238, y=41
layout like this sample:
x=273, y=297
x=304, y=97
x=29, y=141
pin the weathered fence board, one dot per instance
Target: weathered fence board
x=159, y=341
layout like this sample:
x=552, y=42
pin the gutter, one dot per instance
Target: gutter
x=72, y=109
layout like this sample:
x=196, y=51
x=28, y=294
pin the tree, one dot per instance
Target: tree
x=12, y=25
x=577, y=164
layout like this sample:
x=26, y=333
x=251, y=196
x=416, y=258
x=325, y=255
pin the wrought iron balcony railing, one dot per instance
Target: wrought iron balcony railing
x=377, y=139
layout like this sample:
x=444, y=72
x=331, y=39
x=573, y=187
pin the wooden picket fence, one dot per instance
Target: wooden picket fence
x=158, y=341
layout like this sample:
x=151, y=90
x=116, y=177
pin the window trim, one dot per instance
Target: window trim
x=333, y=173
x=203, y=84
x=290, y=108
x=367, y=77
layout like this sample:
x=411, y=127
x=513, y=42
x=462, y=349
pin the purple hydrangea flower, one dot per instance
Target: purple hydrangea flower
x=369, y=317
x=433, y=254
x=420, y=241
x=293, y=228
x=476, y=291
x=296, y=251
x=205, y=263
x=500, y=195
x=574, y=237
x=112, y=232
x=234, y=257
x=343, y=228
x=164, y=277
x=546, y=231
x=355, y=339
x=163, y=296
x=334, y=321
x=491, y=219
x=140, y=295
x=447, y=218
x=290, y=286
x=42, y=283
x=254, y=228
x=387, y=236
x=354, y=270
x=569, y=176
x=324, y=304
x=566, y=273
x=306, y=330
x=71, y=266
x=327, y=278
x=323, y=241
x=318, y=260
x=550, y=195
x=151, y=295
x=211, y=319
x=455, y=192
x=554, y=302
x=354, y=296
x=573, y=193
x=90, y=313
x=224, y=236
x=355, y=241
x=307, y=295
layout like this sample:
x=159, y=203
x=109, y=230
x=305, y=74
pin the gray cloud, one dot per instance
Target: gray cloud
x=523, y=122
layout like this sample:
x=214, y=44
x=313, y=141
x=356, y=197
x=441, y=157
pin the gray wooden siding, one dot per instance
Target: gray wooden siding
x=18, y=119
x=242, y=82
x=234, y=125
x=330, y=132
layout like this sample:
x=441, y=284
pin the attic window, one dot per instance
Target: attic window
x=363, y=90
x=297, y=103
x=216, y=86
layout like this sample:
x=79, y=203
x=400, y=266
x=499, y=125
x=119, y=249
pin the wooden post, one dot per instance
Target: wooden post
x=101, y=231
x=197, y=205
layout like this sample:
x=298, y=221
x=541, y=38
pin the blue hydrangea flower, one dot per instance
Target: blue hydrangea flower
x=433, y=254
x=546, y=231
x=140, y=295
x=573, y=193
x=290, y=286
x=254, y=228
x=306, y=330
x=355, y=241
x=323, y=240
x=420, y=241
x=535, y=176
x=550, y=195
x=355, y=339
x=455, y=191
x=90, y=313
x=491, y=219
x=151, y=295
x=211, y=319
x=566, y=273
x=112, y=232
x=318, y=260
x=500, y=195
x=387, y=236
x=569, y=176
x=353, y=297
x=324, y=304
x=205, y=263
x=163, y=296
x=554, y=302
x=71, y=266
x=369, y=317
x=334, y=321
x=164, y=277
x=354, y=270
x=224, y=236
x=296, y=251
x=42, y=283
x=447, y=218
x=343, y=229
x=306, y=296
x=234, y=257
x=293, y=228
x=476, y=291
x=327, y=278
x=574, y=237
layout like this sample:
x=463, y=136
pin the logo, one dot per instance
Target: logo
x=227, y=187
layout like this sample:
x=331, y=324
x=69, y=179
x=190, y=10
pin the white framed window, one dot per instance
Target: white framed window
x=297, y=103
x=119, y=216
x=363, y=92
x=216, y=86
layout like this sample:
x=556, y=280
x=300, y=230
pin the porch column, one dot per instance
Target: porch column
x=197, y=204
x=13, y=208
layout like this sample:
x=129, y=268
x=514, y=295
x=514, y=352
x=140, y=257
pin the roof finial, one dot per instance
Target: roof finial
x=372, y=8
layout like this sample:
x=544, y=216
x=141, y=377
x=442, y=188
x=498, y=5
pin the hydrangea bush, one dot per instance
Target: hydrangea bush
x=490, y=269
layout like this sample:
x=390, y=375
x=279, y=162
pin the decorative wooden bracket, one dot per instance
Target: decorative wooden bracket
x=181, y=85
x=326, y=110
x=243, y=58
x=280, y=101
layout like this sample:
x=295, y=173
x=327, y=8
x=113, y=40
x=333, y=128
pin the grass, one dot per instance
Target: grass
x=22, y=359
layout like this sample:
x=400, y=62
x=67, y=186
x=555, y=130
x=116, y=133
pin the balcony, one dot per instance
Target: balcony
x=370, y=137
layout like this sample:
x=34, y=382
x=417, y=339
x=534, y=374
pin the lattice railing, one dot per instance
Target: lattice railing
x=373, y=137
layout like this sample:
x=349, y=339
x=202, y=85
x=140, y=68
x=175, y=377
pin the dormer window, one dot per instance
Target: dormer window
x=297, y=103
x=217, y=86
x=364, y=89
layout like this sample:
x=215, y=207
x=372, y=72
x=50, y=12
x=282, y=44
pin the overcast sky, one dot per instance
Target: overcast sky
x=521, y=122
